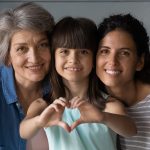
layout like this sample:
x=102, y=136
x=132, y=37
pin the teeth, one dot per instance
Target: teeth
x=113, y=72
x=73, y=69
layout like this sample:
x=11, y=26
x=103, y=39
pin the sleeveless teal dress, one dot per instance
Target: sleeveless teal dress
x=88, y=136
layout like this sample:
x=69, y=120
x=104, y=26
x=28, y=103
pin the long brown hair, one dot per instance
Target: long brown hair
x=76, y=33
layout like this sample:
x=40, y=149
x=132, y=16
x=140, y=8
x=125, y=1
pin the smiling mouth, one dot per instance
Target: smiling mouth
x=35, y=67
x=73, y=69
x=112, y=72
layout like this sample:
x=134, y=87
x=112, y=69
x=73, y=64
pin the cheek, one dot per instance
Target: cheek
x=47, y=56
x=98, y=67
x=131, y=69
x=58, y=65
x=17, y=61
x=97, y=59
x=89, y=66
x=89, y=62
x=97, y=72
x=98, y=63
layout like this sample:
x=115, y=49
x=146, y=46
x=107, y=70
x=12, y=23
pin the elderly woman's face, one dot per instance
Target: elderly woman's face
x=29, y=56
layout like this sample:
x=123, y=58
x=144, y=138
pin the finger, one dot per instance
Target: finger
x=64, y=126
x=51, y=108
x=56, y=107
x=60, y=102
x=63, y=99
x=75, y=124
x=48, y=109
x=74, y=101
x=43, y=118
x=66, y=101
x=47, y=112
x=80, y=103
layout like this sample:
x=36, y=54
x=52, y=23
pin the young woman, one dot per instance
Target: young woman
x=77, y=117
x=123, y=65
x=25, y=60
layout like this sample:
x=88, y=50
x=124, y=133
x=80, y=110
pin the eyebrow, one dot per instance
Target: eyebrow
x=16, y=44
x=104, y=47
x=126, y=48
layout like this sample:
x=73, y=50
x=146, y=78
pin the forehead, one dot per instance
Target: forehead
x=118, y=39
x=27, y=36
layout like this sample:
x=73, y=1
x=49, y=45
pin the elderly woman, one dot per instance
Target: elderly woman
x=25, y=59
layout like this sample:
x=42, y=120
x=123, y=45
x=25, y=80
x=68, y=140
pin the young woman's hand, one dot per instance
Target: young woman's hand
x=52, y=115
x=88, y=112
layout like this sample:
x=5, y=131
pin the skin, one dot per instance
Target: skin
x=116, y=59
x=68, y=66
x=41, y=115
x=116, y=64
x=74, y=66
x=30, y=58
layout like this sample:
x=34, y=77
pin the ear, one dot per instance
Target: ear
x=140, y=63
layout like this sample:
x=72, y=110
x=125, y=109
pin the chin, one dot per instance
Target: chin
x=36, y=78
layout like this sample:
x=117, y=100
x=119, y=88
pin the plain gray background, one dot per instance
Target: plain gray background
x=95, y=10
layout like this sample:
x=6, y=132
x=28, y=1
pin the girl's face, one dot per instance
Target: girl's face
x=116, y=60
x=29, y=56
x=73, y=64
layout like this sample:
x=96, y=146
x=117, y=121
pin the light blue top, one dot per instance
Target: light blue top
x=11, y=112
x=89, y=136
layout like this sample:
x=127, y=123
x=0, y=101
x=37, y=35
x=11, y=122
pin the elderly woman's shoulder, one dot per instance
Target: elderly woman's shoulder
x=1, y=68
x=5, y=69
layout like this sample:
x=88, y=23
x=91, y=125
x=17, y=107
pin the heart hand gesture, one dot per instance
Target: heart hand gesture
x=88, y=112
x=52, y=115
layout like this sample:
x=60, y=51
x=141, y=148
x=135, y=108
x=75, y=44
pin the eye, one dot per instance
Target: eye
x=64, y=51
x=124, y=52
x=43, y=45
x=22, y=49
x=84, y=51
x=103, y=51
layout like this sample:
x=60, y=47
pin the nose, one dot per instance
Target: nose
x=73, y=58
x=33, y=56
x=113, y=59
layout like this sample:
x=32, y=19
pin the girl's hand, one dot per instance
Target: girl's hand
x=88, y=112
x=52, y=115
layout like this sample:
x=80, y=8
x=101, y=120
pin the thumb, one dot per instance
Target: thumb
x=75, y=124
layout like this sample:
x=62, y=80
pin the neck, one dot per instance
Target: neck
x=130, y=94
x=27, y=93
x=126, y=94
x=77, y=89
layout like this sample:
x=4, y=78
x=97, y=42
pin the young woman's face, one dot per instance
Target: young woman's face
x=73, y=64
x=117, y=60
x=29, y=56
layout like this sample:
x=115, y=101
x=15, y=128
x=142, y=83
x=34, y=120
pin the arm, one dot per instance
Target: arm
x=114, y=116
x=41, y=115
x=29, y=126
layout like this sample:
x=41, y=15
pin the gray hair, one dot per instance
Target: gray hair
x=28, y=16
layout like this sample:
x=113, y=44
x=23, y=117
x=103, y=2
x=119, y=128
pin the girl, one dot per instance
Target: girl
x=76, y=106
x=123, y=65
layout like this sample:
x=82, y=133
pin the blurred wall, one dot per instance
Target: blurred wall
x=93, y=9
